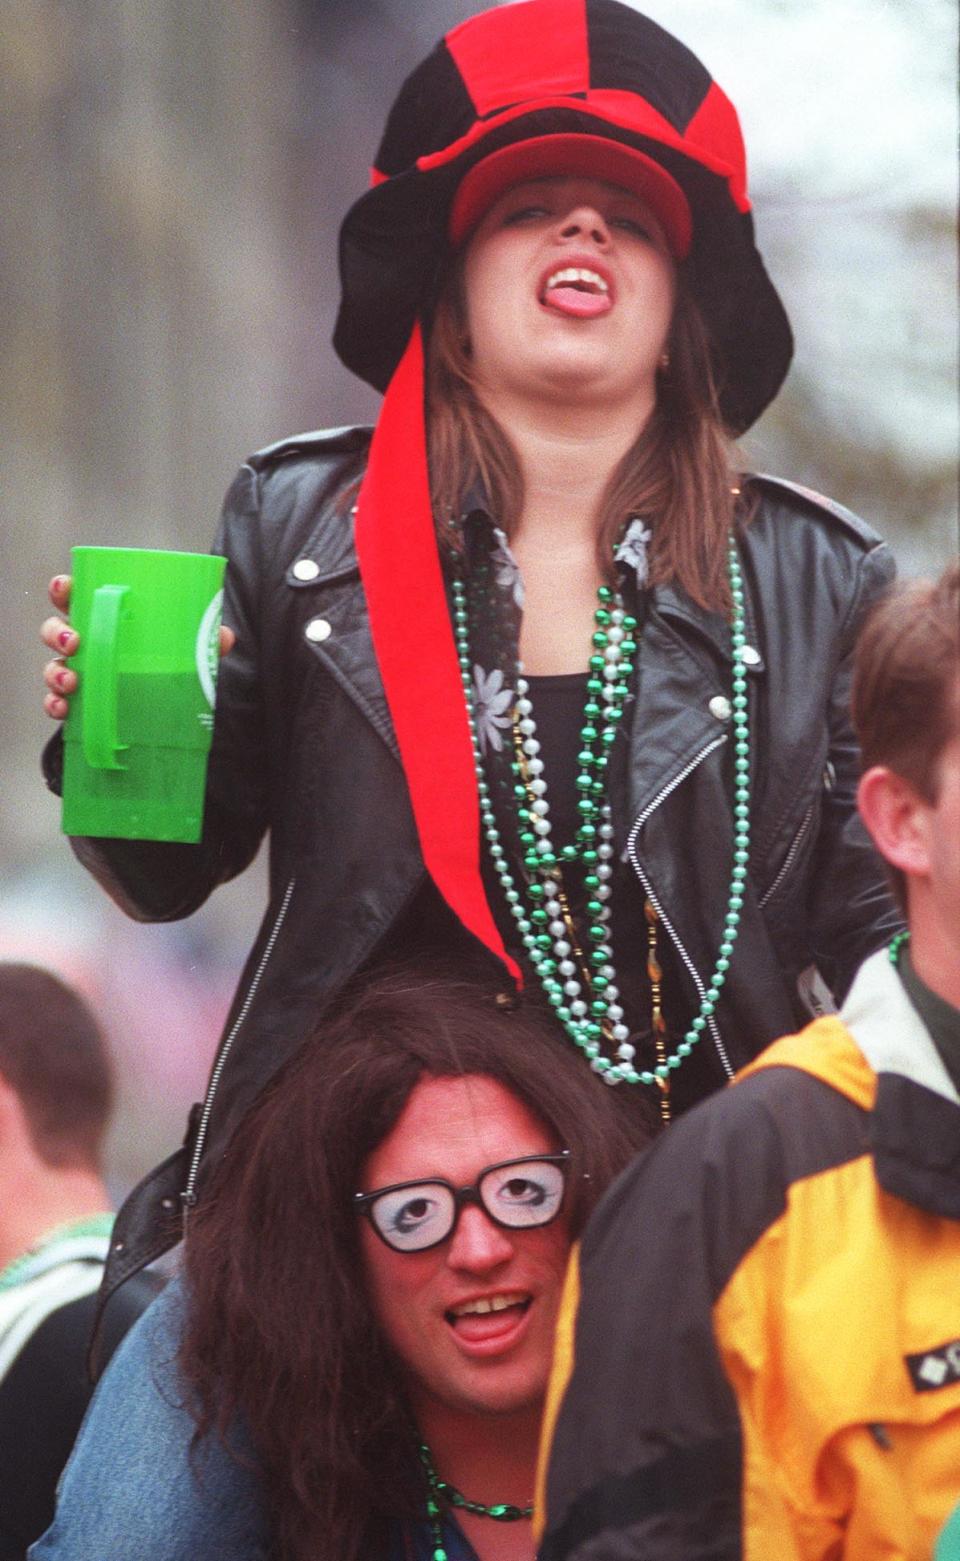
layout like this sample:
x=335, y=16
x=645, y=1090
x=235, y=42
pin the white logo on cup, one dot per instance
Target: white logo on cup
x=208, y=648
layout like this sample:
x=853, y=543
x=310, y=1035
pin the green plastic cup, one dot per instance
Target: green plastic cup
x=138, y=733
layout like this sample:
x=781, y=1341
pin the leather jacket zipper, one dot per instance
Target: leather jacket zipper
x=651, y=896
x=189, y=1195
x=790, y=857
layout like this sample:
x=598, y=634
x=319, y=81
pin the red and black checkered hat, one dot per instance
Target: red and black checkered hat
x=544, y=68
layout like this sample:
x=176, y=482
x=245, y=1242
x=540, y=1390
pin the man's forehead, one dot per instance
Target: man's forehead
x=453, y=1128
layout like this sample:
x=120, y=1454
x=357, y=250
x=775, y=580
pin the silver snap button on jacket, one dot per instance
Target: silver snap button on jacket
x=318, y=629
x=305, y=569
x=720, y=707
x=750, y=656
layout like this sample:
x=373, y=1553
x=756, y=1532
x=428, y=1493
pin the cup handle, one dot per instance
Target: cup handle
x=101, y=742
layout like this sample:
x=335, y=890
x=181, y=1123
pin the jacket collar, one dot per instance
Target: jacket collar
x=915, y=1122
x=329, y=555
x=890, y=1032
x=671, y=601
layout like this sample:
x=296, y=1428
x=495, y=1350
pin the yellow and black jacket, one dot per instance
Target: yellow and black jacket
x=765, y=1325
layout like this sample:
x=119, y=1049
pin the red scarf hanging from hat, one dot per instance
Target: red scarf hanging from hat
x=416, y=652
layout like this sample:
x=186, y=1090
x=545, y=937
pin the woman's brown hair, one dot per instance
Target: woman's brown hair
x=280, y=1329
x=677, y=475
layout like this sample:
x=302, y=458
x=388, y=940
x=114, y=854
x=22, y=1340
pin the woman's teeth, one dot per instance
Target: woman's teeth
x=579, y=277
x=578, y=292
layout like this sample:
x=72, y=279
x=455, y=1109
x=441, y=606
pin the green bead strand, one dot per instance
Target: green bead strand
x=607, y=688
x=500, y=1511
x=895, y=946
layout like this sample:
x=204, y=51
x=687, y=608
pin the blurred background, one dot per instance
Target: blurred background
x=172, y=177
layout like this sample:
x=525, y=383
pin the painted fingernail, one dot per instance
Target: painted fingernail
x=58, y=583
x=65, y=637
x=61, y=679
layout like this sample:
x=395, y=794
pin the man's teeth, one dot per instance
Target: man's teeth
x=493, y=1303
x=576, y=274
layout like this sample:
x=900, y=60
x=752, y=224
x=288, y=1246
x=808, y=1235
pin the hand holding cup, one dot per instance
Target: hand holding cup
x=57, y=634
x=138, y=696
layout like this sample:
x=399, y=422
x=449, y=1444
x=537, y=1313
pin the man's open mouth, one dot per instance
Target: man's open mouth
x=484, y=1305
x=489, y=1317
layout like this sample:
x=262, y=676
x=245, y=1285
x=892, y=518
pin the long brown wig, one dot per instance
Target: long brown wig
x=677, y=475
x=280, y=1329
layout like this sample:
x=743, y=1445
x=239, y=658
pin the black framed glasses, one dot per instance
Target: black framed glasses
x=520, y=1194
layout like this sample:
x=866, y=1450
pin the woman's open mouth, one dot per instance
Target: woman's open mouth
x=577, y=291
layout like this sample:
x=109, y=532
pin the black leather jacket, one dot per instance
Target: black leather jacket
x=303, y=746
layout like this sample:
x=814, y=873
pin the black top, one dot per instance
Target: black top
x=43, y=1398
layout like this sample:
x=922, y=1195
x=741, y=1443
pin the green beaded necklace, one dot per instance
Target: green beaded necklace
x=500, y=1511
x=585, y=1000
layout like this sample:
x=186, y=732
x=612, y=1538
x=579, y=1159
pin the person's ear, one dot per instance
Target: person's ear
x=896, y=818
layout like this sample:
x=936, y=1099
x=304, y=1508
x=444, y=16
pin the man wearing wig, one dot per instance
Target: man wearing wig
x=534, y=680
x=768, y=1342
x=373, y=1282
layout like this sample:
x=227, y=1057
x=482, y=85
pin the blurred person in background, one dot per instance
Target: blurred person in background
x=55, y=1224
x=373, y=1283
x=534, y=678
x=766, y=1353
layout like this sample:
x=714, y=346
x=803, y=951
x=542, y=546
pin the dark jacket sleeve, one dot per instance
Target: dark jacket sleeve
x=852, y=912
x=155, y=881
